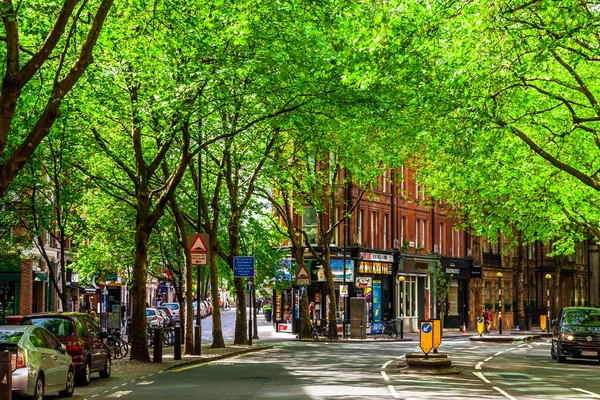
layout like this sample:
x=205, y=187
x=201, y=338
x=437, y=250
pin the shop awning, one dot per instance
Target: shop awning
x=10, y=277
x=75, y=285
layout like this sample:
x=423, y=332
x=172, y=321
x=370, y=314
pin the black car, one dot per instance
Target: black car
x=576, y=334
x=83, y=338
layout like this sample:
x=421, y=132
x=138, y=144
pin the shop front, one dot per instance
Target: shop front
x=457, y=272
x=414, y=296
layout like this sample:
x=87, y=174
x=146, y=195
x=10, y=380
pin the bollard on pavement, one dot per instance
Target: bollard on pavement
x=177, y=349
x=5, y=375
x=198, y=340
x=158, y=340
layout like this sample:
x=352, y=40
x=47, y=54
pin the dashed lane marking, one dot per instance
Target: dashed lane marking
x=385, y=377
x=498, y=353
x=488, y=359
x=145, y=383
x=508, y=396
x=117, y=395
x=386, y=364
x=591, y=394
x=478, y=366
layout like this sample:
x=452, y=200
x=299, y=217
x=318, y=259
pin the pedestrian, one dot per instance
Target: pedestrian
x=123, y=314
x=487, y=318
x=311, y=310
x=258, y=305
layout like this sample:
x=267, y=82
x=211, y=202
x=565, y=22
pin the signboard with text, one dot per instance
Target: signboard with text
x=243, y=267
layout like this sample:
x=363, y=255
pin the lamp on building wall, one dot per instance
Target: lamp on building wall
x=499, y=275
x=548, y=278
x=401, y=281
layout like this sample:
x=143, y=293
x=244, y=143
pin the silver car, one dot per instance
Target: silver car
x=40, y=363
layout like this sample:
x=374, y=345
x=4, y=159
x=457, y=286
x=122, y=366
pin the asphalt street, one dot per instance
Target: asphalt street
x=355, y=370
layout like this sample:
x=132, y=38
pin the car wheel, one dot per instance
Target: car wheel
x=559, y=356
x=70, y=384
x=38, y=391
x=105, y=373
x=552, y=352
x=86, y=376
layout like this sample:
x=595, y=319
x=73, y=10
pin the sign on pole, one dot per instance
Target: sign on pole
x=343, y=290
x=250, y=285
x=480, y=325
x=243, y=267
x=437, y=333
x=543, y=322
x=426, y=337
x=198, y=243
x=302, y=275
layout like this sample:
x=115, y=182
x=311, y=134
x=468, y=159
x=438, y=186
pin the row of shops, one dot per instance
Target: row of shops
x=374, y=278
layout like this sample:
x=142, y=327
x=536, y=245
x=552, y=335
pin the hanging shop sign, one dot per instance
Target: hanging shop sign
x=377, y=257
x=374, y=267
x=363, y=282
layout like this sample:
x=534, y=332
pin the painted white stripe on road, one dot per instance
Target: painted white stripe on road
x=508, y=396
x=393, y=392
x=117, y=395
x=386, y=364
x=384, y=376
x=478, y=366
x=480, y=376
x=488, y=359
x=498, y=353
x=591, y=394
x=146, y=383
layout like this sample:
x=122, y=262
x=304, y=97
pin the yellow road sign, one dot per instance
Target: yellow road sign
x=480, y=325
x=543, y=322
x=426, y=342
x=437, y=333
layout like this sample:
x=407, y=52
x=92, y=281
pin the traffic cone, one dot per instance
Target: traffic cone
x=464, y=329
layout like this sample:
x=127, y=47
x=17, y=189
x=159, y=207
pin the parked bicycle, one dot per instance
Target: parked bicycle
x=118, y=347
x=319, y=329
x=389, y=328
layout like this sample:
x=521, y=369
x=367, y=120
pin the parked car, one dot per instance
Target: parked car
x=576, y=334
x=154, y=318
x=170, y=315
x=40, y=363
x=84, y=340
x=174, y=307
x=166, y=320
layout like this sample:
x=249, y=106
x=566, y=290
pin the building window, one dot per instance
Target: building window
x=402, y=182
x=416, y=189
x=423, y=229
x=373, y=223
x=384, y=182
x=358, y=236
x=417, y=233
x=385, y=229
x=441, y=239
x=402, y=231
x=458, y=252
x=336, y=233
x=452, y=245
x=309, y=224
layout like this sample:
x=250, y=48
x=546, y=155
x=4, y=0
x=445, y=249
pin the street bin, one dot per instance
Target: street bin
x=399, y=327
x=268, y=313
x=5, y=376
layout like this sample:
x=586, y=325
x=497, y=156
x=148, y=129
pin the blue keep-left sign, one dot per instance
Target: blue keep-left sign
x=426, y=327
x=243, y=267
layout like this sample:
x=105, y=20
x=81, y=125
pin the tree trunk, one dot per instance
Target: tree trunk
x=241, y=326
x=331, y=297
x=139, y=331
x=520, y=296
x=305, y=315
x=218, y=341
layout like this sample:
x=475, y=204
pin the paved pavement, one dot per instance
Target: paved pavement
x=125, y=371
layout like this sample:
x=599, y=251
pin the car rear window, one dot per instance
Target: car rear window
x=10, y=336
x=149, y=313
x=582, y=317
x=172, y=306
x=58, y=326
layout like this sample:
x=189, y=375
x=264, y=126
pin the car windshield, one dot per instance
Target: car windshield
x=582, y=317
x=58, y=326
x=149, y=313
x=10, y=336
x=172, y=306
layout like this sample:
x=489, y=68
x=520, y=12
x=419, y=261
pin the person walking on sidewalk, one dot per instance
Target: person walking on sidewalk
x=487, y=318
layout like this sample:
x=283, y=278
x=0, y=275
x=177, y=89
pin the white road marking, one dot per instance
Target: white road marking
x=498, y=353
x=117, y=395
x=488, y=359
x=508, y=396
x=480, y=376
x=393, y=392
x=591, y=394
x=145, y=383
x=523, y=345
x=478, y=366
x=386, y=364
x=384, y=376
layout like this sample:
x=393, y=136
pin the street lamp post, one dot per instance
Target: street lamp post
x=499, y=275
x=548, y=278
x=401, y=280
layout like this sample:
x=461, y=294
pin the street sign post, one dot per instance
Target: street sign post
x=343, y=290
x=426, y=337
x=480, y=325
x=199, y=248
x=302, y=275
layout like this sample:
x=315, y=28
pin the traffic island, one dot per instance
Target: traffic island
x=432, y=364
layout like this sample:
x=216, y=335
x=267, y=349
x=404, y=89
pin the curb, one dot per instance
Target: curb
x=187, y=363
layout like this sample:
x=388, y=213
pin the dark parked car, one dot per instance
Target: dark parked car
x=576, y=334
x=85, y=341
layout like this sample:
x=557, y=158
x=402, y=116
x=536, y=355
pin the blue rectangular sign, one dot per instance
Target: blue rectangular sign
x=243, y=267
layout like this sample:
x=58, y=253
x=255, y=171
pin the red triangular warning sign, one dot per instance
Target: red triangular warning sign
x=302, y=273
x=198, y=245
